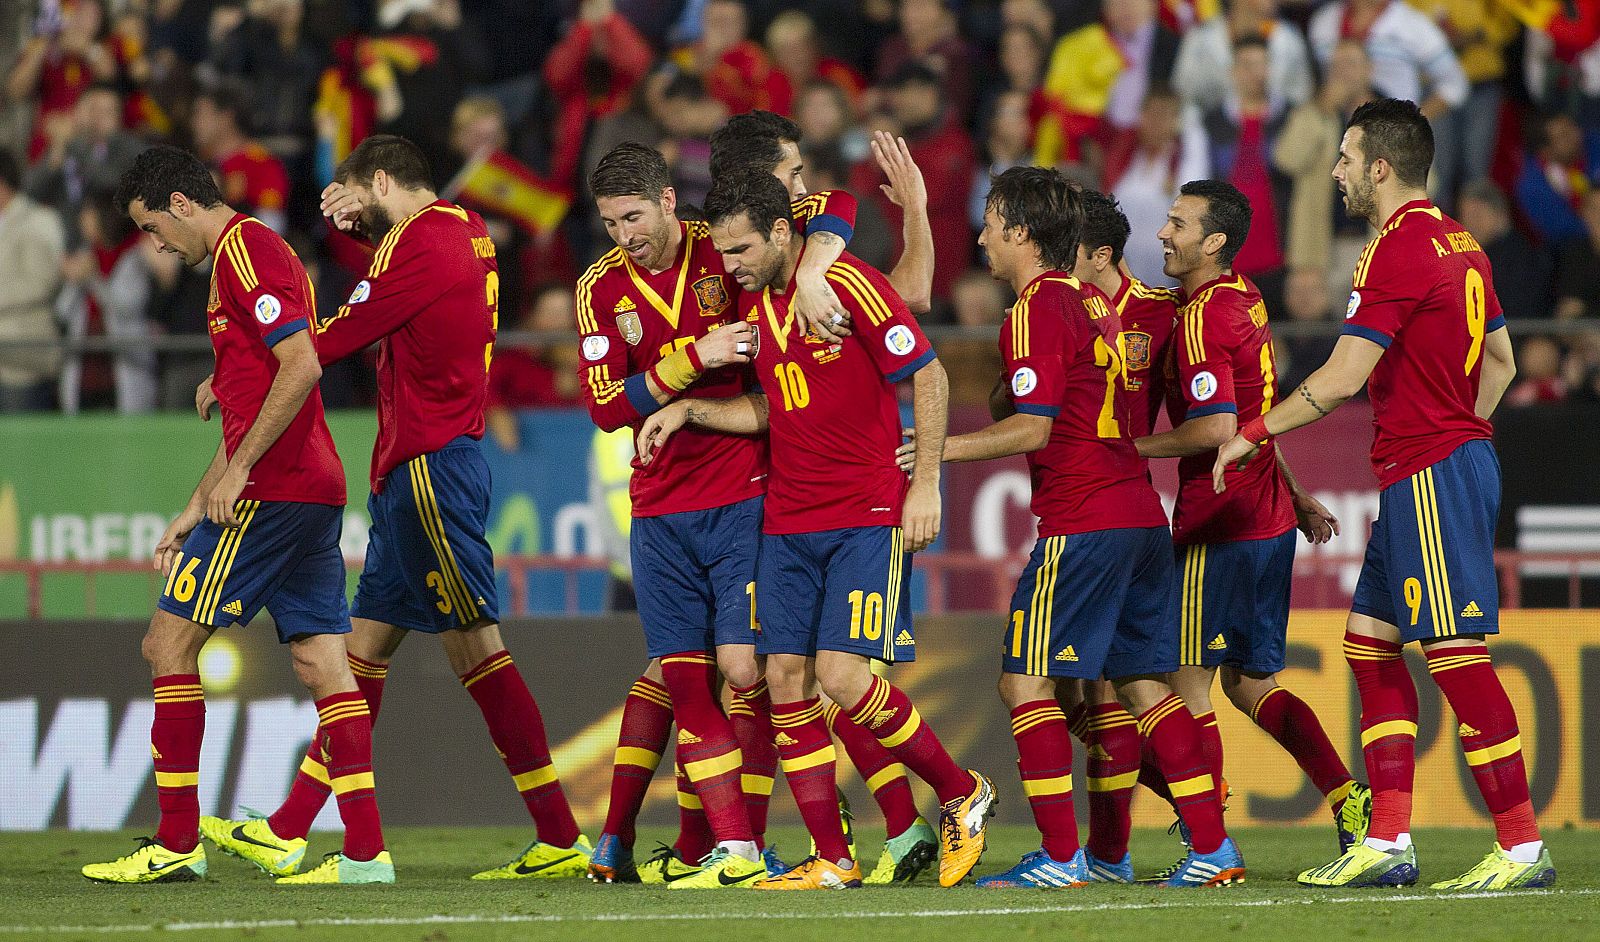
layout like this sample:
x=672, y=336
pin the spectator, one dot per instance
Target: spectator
x=1539, y=378
x=92, y=154
x=792, y=42
x=524, y=377
x=1004, y=148
x=270, y=54
x=1464, y=138
x=1563, y=164
x=1036, y=15
x=1022, y=60
x=977, y=301
x=64, y=57
x=947, y=158
x=823, y=113
x=1521, y=269
x=1149, y=51
x=1205, y=57
x=928, y=37
x=31, y=248
x=688, y=114
x=1577, y=288
x=1410, y=54
x=872, y=240
x=1167, y=150
x=592, y=74
x=1323, y=242
x=478, y=132
x=735, y=69
x=106, y=293
x=427, y=63
x=1582, y=367
x=253, y=180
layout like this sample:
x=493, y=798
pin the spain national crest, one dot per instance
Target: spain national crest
x=1138, y=349
x=632, y=331
x=711, y=296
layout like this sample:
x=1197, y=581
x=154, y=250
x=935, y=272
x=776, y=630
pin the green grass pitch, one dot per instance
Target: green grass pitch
x=43, y=897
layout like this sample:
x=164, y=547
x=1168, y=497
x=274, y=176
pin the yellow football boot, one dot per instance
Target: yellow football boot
x=253, y=840
x=541, y=861
x=337, y=868
x=151, y=863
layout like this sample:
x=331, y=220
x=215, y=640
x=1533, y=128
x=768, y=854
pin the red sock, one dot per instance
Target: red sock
x=1044, y=759
x=706, y=746
x=518, y=733
x=885, y=777
x=887, y=713
x=1211, y=745
x=646, y=723
x=309, y=791
x=175, y=743
x=344, y=724
x=1288, y=719
x=1489, y=737
x=1113, y=771
x=1077, y=720
x=1174, y=737
x=1150, y=774
x=805, y=752
x=751, y=716
x=694, y=831
x=1388, y=730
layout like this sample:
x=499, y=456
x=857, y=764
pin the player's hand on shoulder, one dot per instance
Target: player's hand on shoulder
x=204, y=398
x=906, y=455
x=818, y=310
x=1314, y=519
x=727, y=345
x=342, y=205
x=171, y=542
x=658, y=427
x=921, y=517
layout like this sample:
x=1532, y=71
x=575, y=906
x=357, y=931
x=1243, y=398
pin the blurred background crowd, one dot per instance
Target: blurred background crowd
x=515, y=100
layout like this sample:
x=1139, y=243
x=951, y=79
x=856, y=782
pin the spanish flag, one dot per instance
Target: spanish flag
x=1077, y=87
x=1573, y=24
x=500, y=184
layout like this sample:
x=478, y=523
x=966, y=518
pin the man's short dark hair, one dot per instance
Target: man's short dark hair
x=403, y=161
x=1047, y=205
x=1227, y=211
x=1397, y=132
x=10, y=170
x=162, y=171
x=748, y=192
x=630, y=169
x=1104, y=224
x=752, y=140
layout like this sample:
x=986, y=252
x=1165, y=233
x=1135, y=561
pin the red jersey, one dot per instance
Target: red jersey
x=1224, y=360
x=432, y=302
x=1059, y=343
x=252, y=177
x=631, y=319
x=1423, y=291
x=259, y=296
x=1148, y=317
x=834, y=418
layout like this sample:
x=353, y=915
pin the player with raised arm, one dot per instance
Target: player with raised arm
x=840, y=523
x=1095, y=599
x=431, y=302
x=261, y=530
x=1425, y=332
x=1237, y=549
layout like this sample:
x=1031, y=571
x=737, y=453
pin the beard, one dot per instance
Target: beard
x=1359, y=198
x=373, y=224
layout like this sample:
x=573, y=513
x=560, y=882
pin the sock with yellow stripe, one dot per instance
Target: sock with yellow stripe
x=175, y=735
x=751, y=716
x=1150, y=773
x=1211, y=746
x=344, y=726
x=887, y=713
x=805, y=753
x=1291, y=721
x=706, y=744
x=310, y=789
x=1174, y=736
x=1489, y=737
x=1388, y=730
x=646, y=724
x=1112, y=772
x=1077, y=719
x=885, y=777
x=694, y=831
x=1044, y=759
x=518, y=733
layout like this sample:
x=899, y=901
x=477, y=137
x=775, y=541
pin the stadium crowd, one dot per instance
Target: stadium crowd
x=514, y=103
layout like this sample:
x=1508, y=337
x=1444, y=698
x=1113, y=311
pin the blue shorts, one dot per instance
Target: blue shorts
x=1233, y=603
x=838, y=590
x=284, y=556
x=1429, y=569
x=429, y=566
x=1092, y=605
x=694, y=576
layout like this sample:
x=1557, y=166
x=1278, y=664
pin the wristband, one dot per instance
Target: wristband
x=694, y=358
x=677, y=371
x=1256, y=432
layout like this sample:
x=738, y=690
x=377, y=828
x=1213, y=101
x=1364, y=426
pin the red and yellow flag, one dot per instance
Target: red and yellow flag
x=502, y=185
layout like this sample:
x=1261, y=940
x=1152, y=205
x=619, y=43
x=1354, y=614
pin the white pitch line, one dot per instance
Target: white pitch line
x=1310, y=899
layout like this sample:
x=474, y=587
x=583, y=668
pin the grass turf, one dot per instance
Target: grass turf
x=42, y=896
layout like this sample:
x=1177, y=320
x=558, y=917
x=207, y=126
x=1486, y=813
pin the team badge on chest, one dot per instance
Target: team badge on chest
x=712, y=297
x=1137, y=353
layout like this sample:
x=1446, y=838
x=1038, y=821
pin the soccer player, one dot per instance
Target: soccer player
x=1424, y=324
x=431, y=302
x=840, y=523
x=1237, y=548
x=761, y=140
x=260, y=531
x=1095, y=599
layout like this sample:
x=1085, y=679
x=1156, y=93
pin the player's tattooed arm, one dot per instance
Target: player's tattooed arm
x=740, y=415
x=1499, y=369
x=1305, y=393
x=913, y=274
x=815, y=304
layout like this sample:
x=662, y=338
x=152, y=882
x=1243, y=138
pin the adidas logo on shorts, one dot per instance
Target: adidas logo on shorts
x=784, y=739
x=882, y=716
x=1218, y=644
x=686, y=738
x=904, y=638
x=236, y=608
x=1472, y=610
x=1067, y=654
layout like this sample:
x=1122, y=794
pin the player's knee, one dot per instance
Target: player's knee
x=739, y=667
x=172, y=645
x=844, y=679
x=319, y=667
x=1017, y=689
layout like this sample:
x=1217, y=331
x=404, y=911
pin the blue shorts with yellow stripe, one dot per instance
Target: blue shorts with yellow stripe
x=1092, y=605
x=1429, y=569
x=1233, y=603
x=283, y=556
x=694, y=575
x=429, y=566
x=837, y=590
